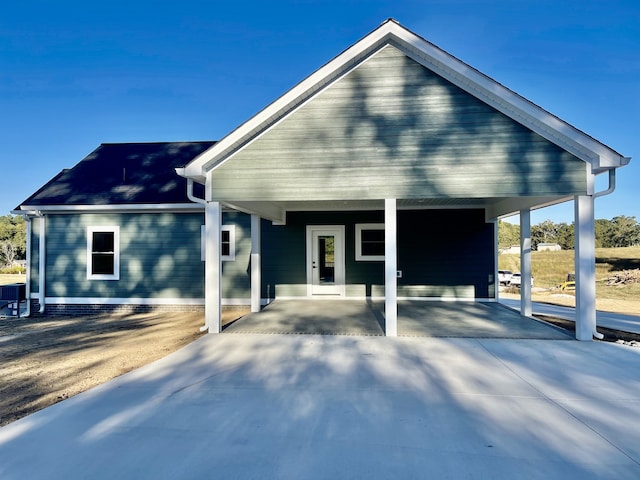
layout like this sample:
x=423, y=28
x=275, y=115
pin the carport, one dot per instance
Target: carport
x=395, y=127
x=415, y=319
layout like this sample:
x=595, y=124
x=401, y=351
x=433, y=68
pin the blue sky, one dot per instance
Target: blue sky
x=77, y=74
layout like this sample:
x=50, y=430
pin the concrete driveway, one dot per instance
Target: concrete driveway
x=615, y=321
x=317, y=407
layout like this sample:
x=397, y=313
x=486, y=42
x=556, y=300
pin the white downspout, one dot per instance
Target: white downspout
x=608, y=191
x=612, y=185
x=202, y=201
x=581, y=291
x=190, y=194
x=42, y=261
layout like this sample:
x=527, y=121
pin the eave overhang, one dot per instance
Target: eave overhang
x=36, y=210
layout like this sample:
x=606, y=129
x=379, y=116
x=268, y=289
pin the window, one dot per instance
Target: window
x=369, y=241
x=103, y=253
x=227, y=246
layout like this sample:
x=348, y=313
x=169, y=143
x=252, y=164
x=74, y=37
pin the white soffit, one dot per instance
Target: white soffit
x=583, y=146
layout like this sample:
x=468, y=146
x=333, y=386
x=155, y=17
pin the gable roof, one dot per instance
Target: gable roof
x=121, y=174
x=569, y=138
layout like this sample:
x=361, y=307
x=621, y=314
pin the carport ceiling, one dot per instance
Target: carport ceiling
x=494, y=207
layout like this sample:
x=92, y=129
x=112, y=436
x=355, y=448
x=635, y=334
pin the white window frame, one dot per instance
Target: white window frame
x=232, y=243
x=116, y=253
x=359, y=228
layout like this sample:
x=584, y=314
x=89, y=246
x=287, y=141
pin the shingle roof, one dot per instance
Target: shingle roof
x=123, y=173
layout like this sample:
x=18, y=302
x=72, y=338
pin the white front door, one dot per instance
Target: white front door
x=325, y=259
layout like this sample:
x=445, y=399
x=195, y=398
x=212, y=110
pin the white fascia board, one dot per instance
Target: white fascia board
x=164, y=207
x=518, y=108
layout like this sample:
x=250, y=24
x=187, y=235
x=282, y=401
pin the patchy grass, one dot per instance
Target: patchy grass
x=9, y=279
x=550, y=269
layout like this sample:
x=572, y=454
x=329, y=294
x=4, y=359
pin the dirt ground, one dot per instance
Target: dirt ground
x=45, y=360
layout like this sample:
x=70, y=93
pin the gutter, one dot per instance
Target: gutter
x=612, y=185
x=608, y=191
x=193, y=198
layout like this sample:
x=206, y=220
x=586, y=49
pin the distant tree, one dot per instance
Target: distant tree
x=565, y=236
x=620, y=231
x=544, y=232
x=7, y=253
x=602, y=227
x=13, y=230
x=508, y=234
x=625, y=232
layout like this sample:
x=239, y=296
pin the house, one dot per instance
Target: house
x=549, y=247
x=339, y=188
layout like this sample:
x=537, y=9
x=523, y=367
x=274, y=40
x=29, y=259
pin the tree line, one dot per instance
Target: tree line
x=13, y=239
x=620, y=231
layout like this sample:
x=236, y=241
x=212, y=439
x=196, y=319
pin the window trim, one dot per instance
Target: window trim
x=232, y=243
x=116, y=253
x=359, y=228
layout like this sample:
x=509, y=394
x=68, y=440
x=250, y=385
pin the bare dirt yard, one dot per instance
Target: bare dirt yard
x=45, y=360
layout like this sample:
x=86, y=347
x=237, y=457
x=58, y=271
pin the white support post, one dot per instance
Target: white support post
x=390, y=268
x=525, y=263
x=496, y=254
x=585, y=265
x=256, y=273
x=213, y=267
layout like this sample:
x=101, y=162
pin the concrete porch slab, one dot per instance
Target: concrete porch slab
x=320, y=317
x=415, y=319
x=470, y=320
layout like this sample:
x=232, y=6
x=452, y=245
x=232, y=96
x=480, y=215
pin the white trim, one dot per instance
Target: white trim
x=237, y=302
x=119, y=208
x=116, y=252
x=144, y=301
x=340, y=271
x=366, y=226
x=123, y=301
